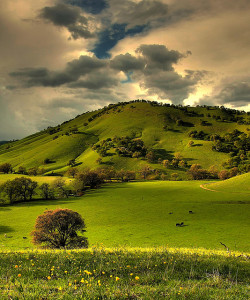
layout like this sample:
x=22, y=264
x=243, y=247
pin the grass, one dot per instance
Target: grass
x=238, y=184
x=101, y=273
x=137, y=215
x=142, y=120
x=39, y=179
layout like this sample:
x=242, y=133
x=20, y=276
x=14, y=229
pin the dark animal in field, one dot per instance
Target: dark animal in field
x=191, y=212
x=170, y=213
x=24, y=237
x=180, y=224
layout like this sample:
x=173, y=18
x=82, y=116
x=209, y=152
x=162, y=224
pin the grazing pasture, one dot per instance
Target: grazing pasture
x=143, y=214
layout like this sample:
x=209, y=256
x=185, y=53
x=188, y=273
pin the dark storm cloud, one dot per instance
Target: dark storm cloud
x=96, y=81
x=159, y=57
x=152, y=68
x=44, y=77
x=236, y=94
x=140, y=13
x=169, y=84
x=127, y=63
x=90, y=6
x=67, y=16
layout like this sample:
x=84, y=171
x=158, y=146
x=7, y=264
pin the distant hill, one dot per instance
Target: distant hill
x=164, y=129
x=3, y=142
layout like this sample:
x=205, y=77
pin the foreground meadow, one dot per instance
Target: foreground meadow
x=102, y=273
x=143, y=214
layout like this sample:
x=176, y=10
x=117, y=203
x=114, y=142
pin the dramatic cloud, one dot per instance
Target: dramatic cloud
x=60, y=58
x=68, y=16
x=230, y=92
x=127, y=63
x=44, y=77
x=138, y=13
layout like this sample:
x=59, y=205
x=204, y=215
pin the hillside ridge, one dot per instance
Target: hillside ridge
x=164, y=129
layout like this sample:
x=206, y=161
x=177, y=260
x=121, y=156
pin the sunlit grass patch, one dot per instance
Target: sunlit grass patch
x=125, y=273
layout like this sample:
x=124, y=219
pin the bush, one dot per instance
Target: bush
x=59, y=229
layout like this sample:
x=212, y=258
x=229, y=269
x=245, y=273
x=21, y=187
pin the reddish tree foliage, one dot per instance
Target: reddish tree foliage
x=59, y=229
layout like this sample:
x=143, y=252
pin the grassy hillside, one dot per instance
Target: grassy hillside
x=238, y=184
x=123, y=274
x=156, y=125
x=138, y=215
x=39, y=179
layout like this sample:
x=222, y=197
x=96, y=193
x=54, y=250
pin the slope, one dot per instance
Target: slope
x=237, y=184
x=163, y=128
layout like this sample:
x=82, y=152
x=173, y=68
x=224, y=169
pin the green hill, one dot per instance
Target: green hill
x=238, y=184
x=163, y=128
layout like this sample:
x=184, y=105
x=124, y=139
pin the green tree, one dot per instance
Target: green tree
x=60, y=228
x=60, y=185
x=19, y=189
x=46, y=191
x=6, y=168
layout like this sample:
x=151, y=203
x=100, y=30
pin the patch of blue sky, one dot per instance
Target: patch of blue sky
x=91, y=6
x=129, y=79
x=110, y=37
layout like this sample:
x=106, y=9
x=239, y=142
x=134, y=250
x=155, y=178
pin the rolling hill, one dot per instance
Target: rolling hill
x=237, y=184
x=163, y=129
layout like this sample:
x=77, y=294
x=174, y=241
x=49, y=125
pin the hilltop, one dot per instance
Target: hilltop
x=163, y=129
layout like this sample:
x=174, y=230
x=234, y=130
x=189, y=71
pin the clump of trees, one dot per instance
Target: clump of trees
x=123, y=146
x=197, y=173
x=60, y=228
x=236, y=143
x=19, y=189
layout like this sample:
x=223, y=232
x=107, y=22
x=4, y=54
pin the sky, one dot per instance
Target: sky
x=60, y=58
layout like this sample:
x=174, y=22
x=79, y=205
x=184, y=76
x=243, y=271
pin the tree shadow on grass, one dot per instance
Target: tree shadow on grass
x=44, y=202
x=5, y=229
x=163, y=154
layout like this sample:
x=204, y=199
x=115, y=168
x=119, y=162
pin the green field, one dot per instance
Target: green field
x=39, y=179
x=137, y=215
x=124, y=274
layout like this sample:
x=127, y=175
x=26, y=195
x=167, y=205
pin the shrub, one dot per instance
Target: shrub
x=59, y=228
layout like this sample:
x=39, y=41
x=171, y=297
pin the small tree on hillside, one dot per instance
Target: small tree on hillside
x=46, y=191
x=6, y=168
x=72, y=172
x=60, y=185
x=59, y=228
